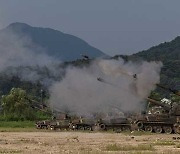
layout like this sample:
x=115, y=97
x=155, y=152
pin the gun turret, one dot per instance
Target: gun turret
x=176, y=92
x=155, y=102
x=173, y=109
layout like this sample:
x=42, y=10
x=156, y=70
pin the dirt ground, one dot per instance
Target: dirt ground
x=85, y=142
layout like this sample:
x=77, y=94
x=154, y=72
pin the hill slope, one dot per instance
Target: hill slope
x=169, y=54
x=60, y=45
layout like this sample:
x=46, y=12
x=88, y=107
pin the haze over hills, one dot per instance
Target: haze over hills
x=169, y=54
x=63, y=46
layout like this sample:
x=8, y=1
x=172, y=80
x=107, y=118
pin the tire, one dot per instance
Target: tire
x=102, y=126
x=80, y=128
x=88, y=128
x=38, y=127
x=140, y=124
x=148, y=129
x=167, y=129
x=43, y=127
x=158, y=129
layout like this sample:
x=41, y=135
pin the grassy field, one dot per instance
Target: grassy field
x=17, y=126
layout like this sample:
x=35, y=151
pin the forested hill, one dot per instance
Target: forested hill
x=64, y=47
x=169, y=54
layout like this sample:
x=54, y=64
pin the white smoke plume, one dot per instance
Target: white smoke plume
x=80, y=91
x=17, y=50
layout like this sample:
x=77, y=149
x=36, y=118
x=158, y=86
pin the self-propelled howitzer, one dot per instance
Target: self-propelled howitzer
x=167, y=122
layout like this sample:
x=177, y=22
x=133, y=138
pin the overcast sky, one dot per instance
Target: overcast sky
x=113, y=26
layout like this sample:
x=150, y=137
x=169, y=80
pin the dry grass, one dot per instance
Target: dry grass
x=141, y=147
x=178, y=146
x=137, y=133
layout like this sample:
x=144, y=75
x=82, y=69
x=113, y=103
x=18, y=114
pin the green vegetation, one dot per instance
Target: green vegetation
x=141, y=147
x=10, y=129
x=16, y=124
x=169, y=54
x=10, y=151
x=18, y=106
x=164, y=143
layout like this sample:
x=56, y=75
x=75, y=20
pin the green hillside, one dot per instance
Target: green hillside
x=169, y=54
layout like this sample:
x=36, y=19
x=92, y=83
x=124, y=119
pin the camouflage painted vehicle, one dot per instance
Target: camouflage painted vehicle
x=60, y=124
x=83, y=124
x=168, y=122
x=43, y=124
x=117, y=124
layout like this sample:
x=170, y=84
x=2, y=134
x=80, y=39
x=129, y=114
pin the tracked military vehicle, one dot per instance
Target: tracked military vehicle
x=83, y=124
x=167, y=122
x=60, y=124
x=116, y=124
x=43, y=124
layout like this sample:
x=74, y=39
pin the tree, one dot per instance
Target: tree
x=175, y=98
x=16, y=105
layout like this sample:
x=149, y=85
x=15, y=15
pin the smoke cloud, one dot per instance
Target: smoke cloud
x=80, y=92
x=118, y=88
x=23, y=58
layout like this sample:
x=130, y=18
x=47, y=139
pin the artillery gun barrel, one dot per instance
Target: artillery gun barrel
x=176, y=92
x=155, y=102
x=35, y=107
